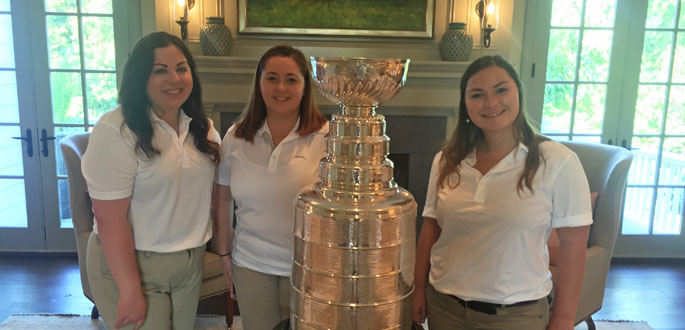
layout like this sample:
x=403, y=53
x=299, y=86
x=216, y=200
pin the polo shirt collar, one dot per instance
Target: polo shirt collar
x=515, y=157
x=265, y=132
x=183, y=122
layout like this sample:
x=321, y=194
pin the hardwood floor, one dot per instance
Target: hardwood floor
x=646, y=290
x=637, y=290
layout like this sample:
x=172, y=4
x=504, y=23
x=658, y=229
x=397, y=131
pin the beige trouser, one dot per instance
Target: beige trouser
x=263, y=299
x=170, y=283
x=445, y=313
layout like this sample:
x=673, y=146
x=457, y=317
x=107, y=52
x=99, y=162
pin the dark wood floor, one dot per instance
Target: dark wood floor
x=637, y=290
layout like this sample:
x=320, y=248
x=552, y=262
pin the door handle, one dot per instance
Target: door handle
x=624, y=143
x=29, y=142
x=610, y=142
x=44, y=138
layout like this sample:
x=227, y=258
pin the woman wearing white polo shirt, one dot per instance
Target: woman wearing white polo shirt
x=495, y=192
x=150, y=167
x=269, y=155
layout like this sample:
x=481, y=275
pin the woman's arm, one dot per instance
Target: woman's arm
x=430, y=232
x=118, y=247
x=223, y=229
x=570, y=269
x=553, y=247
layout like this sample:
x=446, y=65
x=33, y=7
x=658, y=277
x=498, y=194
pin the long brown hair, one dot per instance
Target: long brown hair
x=136, y=105
x=254, y=114
x=467, y=135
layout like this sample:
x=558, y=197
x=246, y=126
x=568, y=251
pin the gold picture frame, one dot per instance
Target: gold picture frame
x=396, y=18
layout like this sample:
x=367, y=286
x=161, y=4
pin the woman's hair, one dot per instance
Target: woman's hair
x=467, y=135
x=253, y=116
x=136, y=104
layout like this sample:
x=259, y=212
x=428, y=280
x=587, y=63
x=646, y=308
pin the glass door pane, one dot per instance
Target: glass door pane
x=577, y=73
x=21, y=219
x=65, y=50
x=12, y=193
x=82, y=84
x=656, y=182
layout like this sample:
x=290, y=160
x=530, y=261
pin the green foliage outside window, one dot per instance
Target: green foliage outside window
x=66, y=81
x=569, y=67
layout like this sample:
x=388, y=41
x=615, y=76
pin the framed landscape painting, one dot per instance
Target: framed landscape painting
x=373, y=18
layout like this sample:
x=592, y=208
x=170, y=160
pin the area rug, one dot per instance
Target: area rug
x=617, y=325
x=79, y=322
x=83, y=322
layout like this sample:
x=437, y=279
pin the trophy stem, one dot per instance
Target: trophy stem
x=359, y=111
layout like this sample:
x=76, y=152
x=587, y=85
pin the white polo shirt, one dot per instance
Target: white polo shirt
x=265, y=181
x=170, y=194
x=493, y=243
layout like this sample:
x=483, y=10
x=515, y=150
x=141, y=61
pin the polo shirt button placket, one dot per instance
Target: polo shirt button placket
x=481, y=189
x=273, y=160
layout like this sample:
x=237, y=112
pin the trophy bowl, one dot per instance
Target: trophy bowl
x=358, y=82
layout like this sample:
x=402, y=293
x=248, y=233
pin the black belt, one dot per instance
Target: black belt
x=489, y=308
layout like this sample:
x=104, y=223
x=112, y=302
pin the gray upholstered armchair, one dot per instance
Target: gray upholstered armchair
x=606, y=168
x=73, y=148
x=81, y=208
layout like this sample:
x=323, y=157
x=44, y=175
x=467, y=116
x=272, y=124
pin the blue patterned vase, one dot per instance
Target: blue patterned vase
x=215, y=37
x=456, y=43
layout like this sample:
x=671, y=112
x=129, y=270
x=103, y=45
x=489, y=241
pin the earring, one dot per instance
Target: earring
x=468, y=120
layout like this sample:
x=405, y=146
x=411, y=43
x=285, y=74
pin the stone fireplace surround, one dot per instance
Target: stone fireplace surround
x=418, y=119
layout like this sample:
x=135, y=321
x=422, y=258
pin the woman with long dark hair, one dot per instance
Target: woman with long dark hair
x=150, y=167
x=495, y=192
x=269, y=155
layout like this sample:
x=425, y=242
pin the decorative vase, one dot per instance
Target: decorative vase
x=456, y=43
x=215, y=37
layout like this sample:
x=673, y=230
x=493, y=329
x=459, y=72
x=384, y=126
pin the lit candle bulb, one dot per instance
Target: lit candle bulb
x=182, y=3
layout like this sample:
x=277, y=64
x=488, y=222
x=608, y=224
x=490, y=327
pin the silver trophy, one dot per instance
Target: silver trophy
x=355, y=233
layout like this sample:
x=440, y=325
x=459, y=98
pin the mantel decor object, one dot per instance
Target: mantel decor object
x=488, y=12
x=355, y=232
x=181, y=15
x=215, y=37
x=456, y=43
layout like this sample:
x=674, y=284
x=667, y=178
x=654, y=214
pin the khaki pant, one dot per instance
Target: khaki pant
x=264, y=299
x=446, y=313
x=170, y=284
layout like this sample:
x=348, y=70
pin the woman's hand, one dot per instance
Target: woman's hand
x=419, y=297
x=430, y=232
x=118, y=246
x=222, y=206
x=558, y=323
x=226, y=262
x=131, y=309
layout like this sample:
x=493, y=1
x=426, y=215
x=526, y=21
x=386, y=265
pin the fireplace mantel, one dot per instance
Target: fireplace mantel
x=432, y=88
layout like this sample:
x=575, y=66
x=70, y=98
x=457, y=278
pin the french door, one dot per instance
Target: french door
x=58, y=74
x=610, y=71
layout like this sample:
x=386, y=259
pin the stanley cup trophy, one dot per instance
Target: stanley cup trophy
x=355, y=232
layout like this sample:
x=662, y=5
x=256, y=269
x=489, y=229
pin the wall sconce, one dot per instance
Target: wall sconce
x=488, y=11
x=181, y=9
